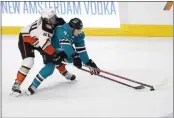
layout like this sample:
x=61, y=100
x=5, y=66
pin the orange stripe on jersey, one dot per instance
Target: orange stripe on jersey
x=61, y=68
x=49, y=49
x=30, y=40
x=20, y=77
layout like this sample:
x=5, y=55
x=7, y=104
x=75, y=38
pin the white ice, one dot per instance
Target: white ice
x=144, y=59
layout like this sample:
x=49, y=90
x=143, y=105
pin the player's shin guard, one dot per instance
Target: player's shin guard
x=24, y=69
x=65, y=73
x=21, y=75
x=46, y=71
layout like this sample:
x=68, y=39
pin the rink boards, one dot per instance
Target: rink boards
x=104, y=18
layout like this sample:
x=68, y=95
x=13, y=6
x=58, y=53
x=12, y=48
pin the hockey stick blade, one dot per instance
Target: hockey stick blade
x=156, y=87
x=139, y=87
x=159, y=86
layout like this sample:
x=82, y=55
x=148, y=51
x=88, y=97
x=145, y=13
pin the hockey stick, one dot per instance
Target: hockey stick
x=152, y=88
x=135, y=87
x=141, y=86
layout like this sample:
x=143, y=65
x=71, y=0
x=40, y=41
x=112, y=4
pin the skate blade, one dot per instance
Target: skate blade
x=15, y=94
x=27, y=93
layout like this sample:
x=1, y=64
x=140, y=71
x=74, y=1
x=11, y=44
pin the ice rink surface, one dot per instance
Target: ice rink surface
x=144, y=59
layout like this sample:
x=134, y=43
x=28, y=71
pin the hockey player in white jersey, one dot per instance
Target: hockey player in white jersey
x=35, y=36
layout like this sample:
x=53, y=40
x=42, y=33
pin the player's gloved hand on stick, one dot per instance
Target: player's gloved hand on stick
x=94, y=70
x=56, y=59
x=76, y=60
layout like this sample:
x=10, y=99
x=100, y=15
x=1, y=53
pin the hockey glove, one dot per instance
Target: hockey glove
x=94, y=70
x=76, y=60
x=56, y=59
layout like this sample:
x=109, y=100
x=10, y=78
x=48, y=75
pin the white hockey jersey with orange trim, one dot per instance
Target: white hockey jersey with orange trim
x=38, y=34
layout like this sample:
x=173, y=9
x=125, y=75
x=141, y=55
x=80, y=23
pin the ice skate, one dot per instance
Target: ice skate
x=16, y=90
x=68, y=76
x=31, y=90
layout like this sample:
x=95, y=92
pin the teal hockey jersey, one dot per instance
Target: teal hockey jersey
x=64, y=40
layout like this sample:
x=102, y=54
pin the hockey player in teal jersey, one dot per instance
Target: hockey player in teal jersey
x=68, y=42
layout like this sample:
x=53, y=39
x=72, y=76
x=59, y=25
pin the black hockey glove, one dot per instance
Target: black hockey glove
x=76, y=60
x=56, y=59
x=94, y=70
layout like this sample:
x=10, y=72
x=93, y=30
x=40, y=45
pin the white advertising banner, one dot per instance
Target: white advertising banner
x=97, y=14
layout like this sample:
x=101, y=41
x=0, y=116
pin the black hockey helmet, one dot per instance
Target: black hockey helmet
x=76, y=23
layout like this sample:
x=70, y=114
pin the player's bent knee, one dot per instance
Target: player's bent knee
x=28, y=62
